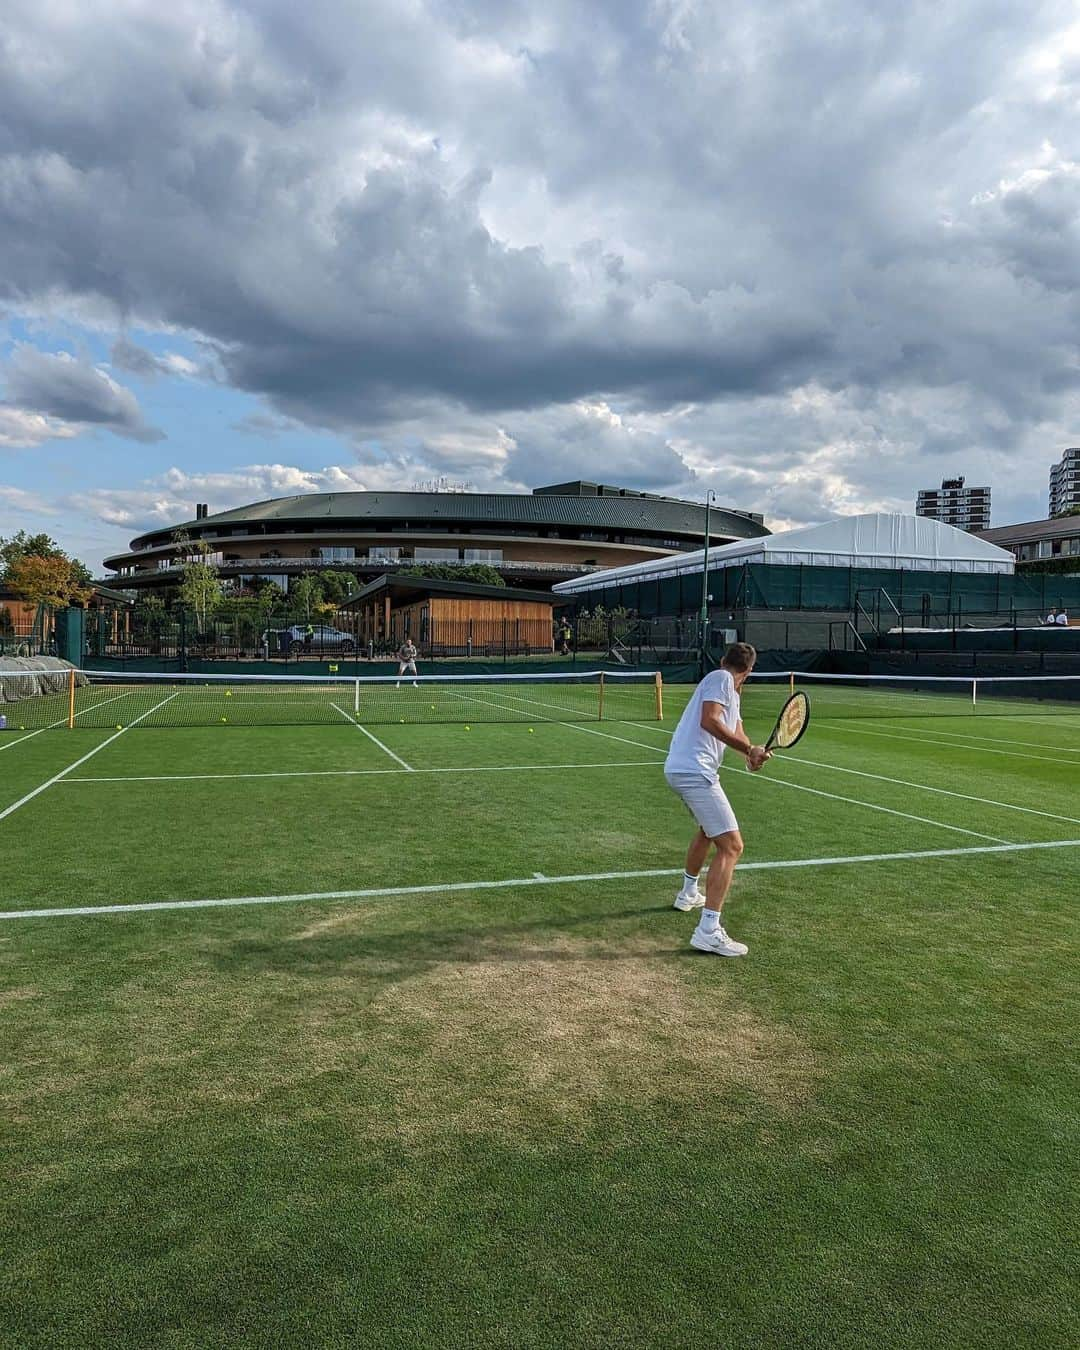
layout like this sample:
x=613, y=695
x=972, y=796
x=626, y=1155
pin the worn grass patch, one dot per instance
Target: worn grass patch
x=530, y=1032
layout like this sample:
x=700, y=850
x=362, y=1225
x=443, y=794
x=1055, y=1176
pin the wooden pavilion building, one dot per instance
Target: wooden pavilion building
x=452, y=618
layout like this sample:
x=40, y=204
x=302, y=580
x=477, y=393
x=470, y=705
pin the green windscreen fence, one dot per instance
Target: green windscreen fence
x=814, y=586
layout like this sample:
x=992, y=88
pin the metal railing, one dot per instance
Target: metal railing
x=267, y=566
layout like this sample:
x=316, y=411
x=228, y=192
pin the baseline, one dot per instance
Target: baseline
x=579, y=878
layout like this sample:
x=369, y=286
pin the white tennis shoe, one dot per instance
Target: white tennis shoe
x=688, y=900
x=718, y=943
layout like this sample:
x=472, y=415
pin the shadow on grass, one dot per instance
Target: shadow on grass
x=388, y=956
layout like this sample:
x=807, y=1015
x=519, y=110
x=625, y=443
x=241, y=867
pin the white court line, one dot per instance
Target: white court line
x=819, y=792
x=349, y=717
x=387, y=892
x=359, y=773
x=996, y=740
x=62, y=721
x=944, y=792
x=90, y=755
x=921, y=787
x=922, y=740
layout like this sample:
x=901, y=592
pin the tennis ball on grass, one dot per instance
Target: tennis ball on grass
x=224, y=719
x=228, y=693
x=119, y=727
x=468, y=728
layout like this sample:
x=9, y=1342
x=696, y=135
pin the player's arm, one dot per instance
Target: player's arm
x=712, y=722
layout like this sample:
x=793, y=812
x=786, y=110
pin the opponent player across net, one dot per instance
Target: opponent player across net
x=711, y=721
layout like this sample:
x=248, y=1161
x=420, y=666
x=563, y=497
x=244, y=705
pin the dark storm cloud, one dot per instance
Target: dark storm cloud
x=504, y=211
x=72, y=392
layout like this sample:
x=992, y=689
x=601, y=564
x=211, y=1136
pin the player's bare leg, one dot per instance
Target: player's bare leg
x=709, y=936
x=690, y=894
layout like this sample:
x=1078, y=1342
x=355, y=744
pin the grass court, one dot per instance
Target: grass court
x=445, y=1072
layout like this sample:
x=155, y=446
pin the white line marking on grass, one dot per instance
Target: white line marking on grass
x=996, y=740
x=359, y=773
x=388, y=892
x=944, y=792
x=610, y=736
x=62, y=721
x=29, y=735
x=349, y=717
x=819, y=792
x=873, y=806
x=90, y=755
x=922, y=740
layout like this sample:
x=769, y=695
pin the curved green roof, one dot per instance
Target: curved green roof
x=665, y=515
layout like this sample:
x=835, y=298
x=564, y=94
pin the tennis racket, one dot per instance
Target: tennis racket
x=793, y=720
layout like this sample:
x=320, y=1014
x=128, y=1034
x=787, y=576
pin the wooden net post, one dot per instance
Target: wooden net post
x=659, y=697
x=600, y=710
x=71, y=699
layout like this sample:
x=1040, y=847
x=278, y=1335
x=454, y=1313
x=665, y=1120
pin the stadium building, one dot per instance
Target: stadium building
x=533, y=539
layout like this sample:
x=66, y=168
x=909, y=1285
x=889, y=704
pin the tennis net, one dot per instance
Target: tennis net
x=104, y=699
x=919, y=696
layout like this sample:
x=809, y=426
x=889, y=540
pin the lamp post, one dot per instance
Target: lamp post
x=704, y=619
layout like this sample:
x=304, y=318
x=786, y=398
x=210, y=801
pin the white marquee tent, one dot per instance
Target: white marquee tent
x=914, y=543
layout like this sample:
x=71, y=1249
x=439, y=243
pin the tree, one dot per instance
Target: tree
x=336, y=587
x=200, y=586
x=23, y=545
x=1069, y=511
x=306, y=595
x=477, y=574
x=53, y=582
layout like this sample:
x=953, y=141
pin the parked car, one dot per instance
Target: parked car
x=324, y=638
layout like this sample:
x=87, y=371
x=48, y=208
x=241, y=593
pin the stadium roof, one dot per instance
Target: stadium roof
x=524, y=508
x=916, y=543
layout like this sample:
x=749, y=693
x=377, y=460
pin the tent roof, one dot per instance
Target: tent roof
x=914, y=543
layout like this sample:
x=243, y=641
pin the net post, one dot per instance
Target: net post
x=356, y=696
x=600, y=708
x=791, y=681
x=974, y=692
x=71, y=699
x=659, y=682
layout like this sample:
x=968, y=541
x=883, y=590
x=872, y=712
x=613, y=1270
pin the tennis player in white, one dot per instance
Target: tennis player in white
x=406, y=656
x=711, y=721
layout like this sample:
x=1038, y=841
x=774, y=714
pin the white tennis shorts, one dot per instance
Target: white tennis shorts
x=707, y=802
x=406, y=667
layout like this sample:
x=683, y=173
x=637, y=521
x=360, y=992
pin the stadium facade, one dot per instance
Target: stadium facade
x=533, y=539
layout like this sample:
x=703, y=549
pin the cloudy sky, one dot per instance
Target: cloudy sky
x=813, y=254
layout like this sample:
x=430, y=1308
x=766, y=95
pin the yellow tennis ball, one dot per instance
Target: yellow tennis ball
x=530, y=731
x=118, y=727
x=468, y=728
x=228, y=693
x=401, y=719
x=224, y=719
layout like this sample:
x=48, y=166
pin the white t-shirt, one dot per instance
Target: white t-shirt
x=693, y=749
x=1062, y=619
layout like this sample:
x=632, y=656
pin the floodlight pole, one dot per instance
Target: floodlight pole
x=704, y=620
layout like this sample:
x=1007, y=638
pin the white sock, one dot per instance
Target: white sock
x=710, y=921
x=689, y=883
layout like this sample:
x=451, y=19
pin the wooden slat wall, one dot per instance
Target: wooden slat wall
x=475, y=625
